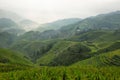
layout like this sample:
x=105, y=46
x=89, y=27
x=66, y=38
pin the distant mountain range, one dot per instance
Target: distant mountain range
x=108, y=21
x=24, y=23
x=8, y=25
x=28, y=24
x=57, y=24
x=64, y=42
x=10, y=15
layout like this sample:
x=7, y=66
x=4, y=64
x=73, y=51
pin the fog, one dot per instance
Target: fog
x=43, y=11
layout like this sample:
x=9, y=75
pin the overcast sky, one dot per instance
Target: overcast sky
x=49, y=10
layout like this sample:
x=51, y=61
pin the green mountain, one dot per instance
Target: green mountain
x=87, y=49
x=70, y=43
x=108, y=21
x=92, y=41
x=35, y=35
x=60, y=52
x=28, y=24
x=108, y=56
x=23, y=23
x=11, y=57
x=6, y=39
x=7, y=25
x=70, y=50
x=57, y=24
x=33, y=49
x=111, y=58
x=11, y=15
x=64, y=53
x=100, y=37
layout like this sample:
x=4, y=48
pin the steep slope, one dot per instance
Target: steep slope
x=8, y=25
x=76, y=42
x=112, y=47
x=101, y=38
x=64, y=53
x=10, y=15
x=33, y=49
x=6, y=39
x=35, y=35
x=99, y=41
x=57, y=24
x=108, y=21
x=11, y=57
x=93, y=39
x=28, y=24
x=24, y=23
x=91, y=35
x=107, y=59
x=104, y=57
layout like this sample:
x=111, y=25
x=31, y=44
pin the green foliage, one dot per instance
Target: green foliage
x=12, y=57
x=54, y=51
x=34, y=49
x=112, y=47
x=71, y=54
x=64, y=73
x=57, y=24
x=98, y=36
x=111, y=58
x=7, y=25
x=12, y=67
x=91, y=45
x=6, y=39
x=64, y=53
x=108, y=21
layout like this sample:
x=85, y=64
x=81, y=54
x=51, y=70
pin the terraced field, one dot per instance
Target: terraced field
x=105, y=59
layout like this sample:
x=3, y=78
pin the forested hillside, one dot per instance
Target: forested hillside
x=68, y=49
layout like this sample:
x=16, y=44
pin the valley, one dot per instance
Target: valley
x=68, y=49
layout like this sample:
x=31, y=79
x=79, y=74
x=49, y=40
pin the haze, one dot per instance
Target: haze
x=43, y=11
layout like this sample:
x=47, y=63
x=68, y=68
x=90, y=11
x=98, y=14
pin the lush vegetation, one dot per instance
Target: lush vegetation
x=64, y=73
x=70, y=49
x=11, y=57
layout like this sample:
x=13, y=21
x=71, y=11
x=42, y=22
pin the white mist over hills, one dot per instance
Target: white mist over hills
x=43, y=11
x=29, y=14
x=7, y=16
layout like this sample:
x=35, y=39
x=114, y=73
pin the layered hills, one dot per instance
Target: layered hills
x=91, y=41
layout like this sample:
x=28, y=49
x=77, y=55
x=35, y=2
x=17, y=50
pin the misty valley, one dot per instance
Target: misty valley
x=65, y=49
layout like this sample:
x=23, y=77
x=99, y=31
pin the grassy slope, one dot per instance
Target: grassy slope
x=97, y=39
x=98, y=36
x=106, y=56
x=33, y=49
x=11, y=57
x=109, y=58
x=64, y=53
x=56, y=49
